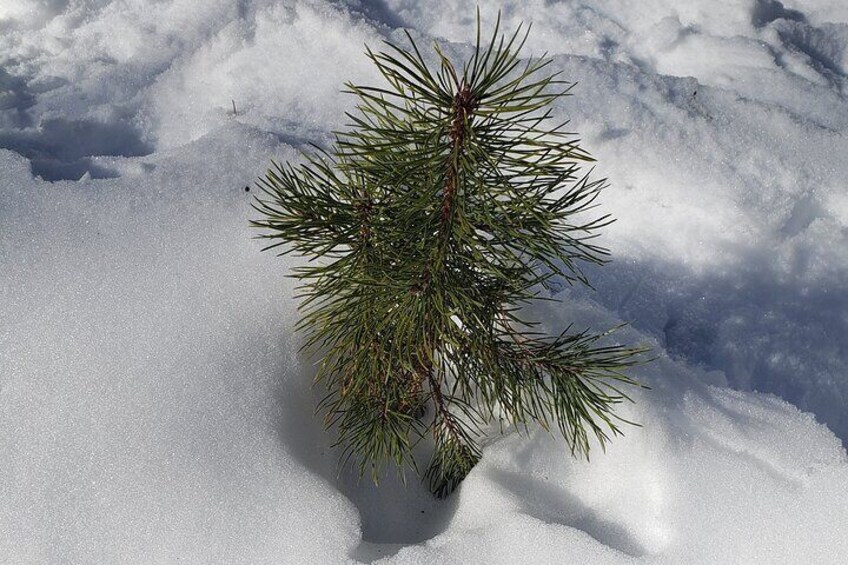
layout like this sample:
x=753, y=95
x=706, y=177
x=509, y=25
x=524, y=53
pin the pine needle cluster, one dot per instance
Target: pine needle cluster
x=449, y=204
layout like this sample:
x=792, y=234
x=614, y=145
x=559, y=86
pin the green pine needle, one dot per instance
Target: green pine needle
x=440, y=212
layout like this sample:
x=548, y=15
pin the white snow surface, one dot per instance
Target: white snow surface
x=153, y=404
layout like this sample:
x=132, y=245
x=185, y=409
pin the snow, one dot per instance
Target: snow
x=154, y=407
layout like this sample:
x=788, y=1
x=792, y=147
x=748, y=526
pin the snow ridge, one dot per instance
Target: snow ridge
x=154, y=407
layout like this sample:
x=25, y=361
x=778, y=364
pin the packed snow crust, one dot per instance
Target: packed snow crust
x=154, y=407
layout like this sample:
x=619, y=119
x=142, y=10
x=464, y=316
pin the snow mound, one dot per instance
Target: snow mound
x=153, y=404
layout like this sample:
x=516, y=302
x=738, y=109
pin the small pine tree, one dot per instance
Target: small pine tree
x=443, y=210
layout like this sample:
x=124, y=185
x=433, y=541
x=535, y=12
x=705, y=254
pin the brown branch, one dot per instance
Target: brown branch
x=463, y=106
x=441, y=406
x=365, y=209
x=462, y=109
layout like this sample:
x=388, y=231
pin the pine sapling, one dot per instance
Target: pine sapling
x=449, y=204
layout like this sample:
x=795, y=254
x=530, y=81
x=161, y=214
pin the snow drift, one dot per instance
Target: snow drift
x=154, y=408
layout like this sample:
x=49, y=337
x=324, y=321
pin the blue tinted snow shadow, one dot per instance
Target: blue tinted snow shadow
x=394, y=513
x=765, y=331
x=62, y=149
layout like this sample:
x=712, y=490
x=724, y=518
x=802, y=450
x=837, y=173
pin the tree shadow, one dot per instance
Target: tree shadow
x=765, y=331
x=554, y=505
x=394, y=513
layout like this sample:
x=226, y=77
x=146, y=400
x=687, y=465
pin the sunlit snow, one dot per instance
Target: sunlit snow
x=154, y=407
